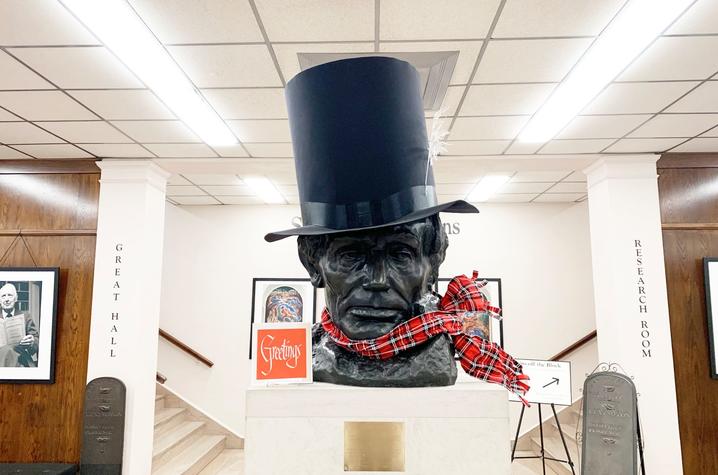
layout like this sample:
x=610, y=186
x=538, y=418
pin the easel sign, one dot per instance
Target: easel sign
x=550, y=382
x=282, y=353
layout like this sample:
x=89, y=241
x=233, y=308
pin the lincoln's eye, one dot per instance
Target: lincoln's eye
x=401, y=253
x=350, y=257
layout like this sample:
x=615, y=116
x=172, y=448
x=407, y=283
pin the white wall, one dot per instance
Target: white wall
x=540, y=251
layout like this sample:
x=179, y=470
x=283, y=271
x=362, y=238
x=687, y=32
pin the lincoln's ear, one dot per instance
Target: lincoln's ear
x=314, y=275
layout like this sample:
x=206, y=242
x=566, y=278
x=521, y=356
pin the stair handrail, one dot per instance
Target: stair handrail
x=184, y=347
x=571, y=348
x=161, y=378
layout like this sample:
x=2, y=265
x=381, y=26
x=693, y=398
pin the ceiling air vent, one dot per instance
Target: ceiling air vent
x=435, y=69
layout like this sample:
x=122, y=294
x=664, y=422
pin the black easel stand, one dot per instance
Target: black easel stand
x=543, y=456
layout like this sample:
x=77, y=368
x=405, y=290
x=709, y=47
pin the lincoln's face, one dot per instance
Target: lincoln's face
x=8, y=297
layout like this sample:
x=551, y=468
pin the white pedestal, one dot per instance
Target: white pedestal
x=455, y=430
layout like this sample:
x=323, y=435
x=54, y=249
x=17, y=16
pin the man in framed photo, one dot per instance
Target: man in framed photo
x=13, y=352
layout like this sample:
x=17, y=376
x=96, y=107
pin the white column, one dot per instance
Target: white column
x=630, y=296
x=126, y=295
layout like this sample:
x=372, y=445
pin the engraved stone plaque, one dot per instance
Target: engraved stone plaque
x=103, y=427
x=374, y=447
x=609, y=425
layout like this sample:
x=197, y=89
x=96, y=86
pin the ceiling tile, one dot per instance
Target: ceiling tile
x=524, y=187
x=429, y=19
x=195, y=200
x=505, y=99
x=559, y=197
x=637, y=98
x=261, y=130
x=271, y=150
x=454, y=188
x=700, y=19
x=231, y=151
x=539, y=176
x=449, y=197
x=546, y=60
x=711, y=133
x=178, y=180
x=577, y=176
x=475, y=128
x=200, y=21
x=449, y=104
x=184, y=190
x=7, y=153
x=699, y=145
x=523, y=148
x=476, y=147
x=5, y=116
x=675, y=58
x=86, y=131
x=468, y=52
x=288, y=189
x=124, y=150
x=565, y=187
x=643, y=145
x=157, y=131
x=53, y=151
x=119, y=105
x=240, y=200
x=25, y=132
x=676, y=125
x=213, y=179
x=40, y=22
x=248, y=103
x=228, y=190
x=17, y=76
x=447, y=170
x=287, y=53
x=576, y=146
x=44, y=105
x=227, y=65
x=601, y=126
x=542, y=18
x=317, y=20
x=291, y=199
x=79, y=68
x=703, y=99
x=512, y=198
x=181, y=150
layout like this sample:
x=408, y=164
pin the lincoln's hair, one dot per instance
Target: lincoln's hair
x=312, y=248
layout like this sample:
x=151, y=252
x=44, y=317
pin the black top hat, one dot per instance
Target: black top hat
x=360, y=147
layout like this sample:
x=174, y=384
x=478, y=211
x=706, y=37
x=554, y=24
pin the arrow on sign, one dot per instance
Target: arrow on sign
x=555, y=380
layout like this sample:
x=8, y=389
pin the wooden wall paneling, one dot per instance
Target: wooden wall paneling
x=688, y=195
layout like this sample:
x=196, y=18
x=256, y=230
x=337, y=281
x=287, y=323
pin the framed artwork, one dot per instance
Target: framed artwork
x=483, y=325
x=277, y=300
x=282, y=353
x=28, y=322
x=710, y=272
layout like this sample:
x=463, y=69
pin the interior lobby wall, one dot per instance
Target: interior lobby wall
x=55, y=206
x=540, y=251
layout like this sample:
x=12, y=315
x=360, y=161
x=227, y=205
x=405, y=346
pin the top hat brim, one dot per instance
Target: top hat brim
x=457, y=206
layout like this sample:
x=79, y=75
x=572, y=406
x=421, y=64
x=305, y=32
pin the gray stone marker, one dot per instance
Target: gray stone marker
x=103, y=427
x=610, y=421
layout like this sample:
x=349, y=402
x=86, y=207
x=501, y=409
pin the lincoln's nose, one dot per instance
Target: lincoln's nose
x=376, y=274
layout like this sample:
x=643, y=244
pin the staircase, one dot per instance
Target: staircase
x=530, y=445
x=188, y=442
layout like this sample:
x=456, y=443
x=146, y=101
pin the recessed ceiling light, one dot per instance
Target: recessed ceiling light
x=264, y=189
x=118, y=26
x=486, y=187
x=638, y=24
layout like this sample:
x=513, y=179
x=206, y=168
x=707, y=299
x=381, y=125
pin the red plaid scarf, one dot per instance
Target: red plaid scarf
x=480, y=358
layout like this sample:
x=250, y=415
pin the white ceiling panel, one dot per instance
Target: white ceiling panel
x=93, y=131
x=193, y=150
x=637, y=98
x=703, y=99
x=317, y=20
x=124, y=105
x=576, y=146
x=213, y=179
x=601, y=126
x=676, y=125
x=449, y=197
x=79, y=68
x=577, y=176
x=494, y=128
x=450, y=102
x=233, y=151
x=184, y=190
x=542, y=18
x=7, y=153
x=700, y=19
x=699, y=145
x=261, y=130
x=476, y=147
x=195, y=200
x=241, y=200
x=178, y=180
x=288, y=189
x=17, y=76
x=468, y=52
x=227, y=65
x=523, y=148
x=529, y=60
x=512, y=198
x=675, y=58
x=559, y=197
x=548, y=176
x=505, y=99
x=711, y=133
x=228, y=190
x=199, y=21
x=123, y=150
x=5, y=116
x=577, y=187
x=643, y=145
x=44, y=105
x=157, y=131
x=53, y=151
x=287, y=53
x=447, y=170
x=523, y=187
x=454, y=188
x=429, y=19
x=40, y=22
x=270, y=150
x=24, y=132
x=248, y=103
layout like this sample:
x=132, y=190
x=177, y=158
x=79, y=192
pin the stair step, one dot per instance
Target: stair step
x=167, y=413
x=159, y=401
x=229, y=462
x=196, y=457
x=554, y=448
x=167, y=441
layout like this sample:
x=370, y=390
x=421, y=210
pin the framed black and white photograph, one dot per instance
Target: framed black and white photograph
x=282, y=300
x=28, y=319
x=710, y=271
x=484, y=325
